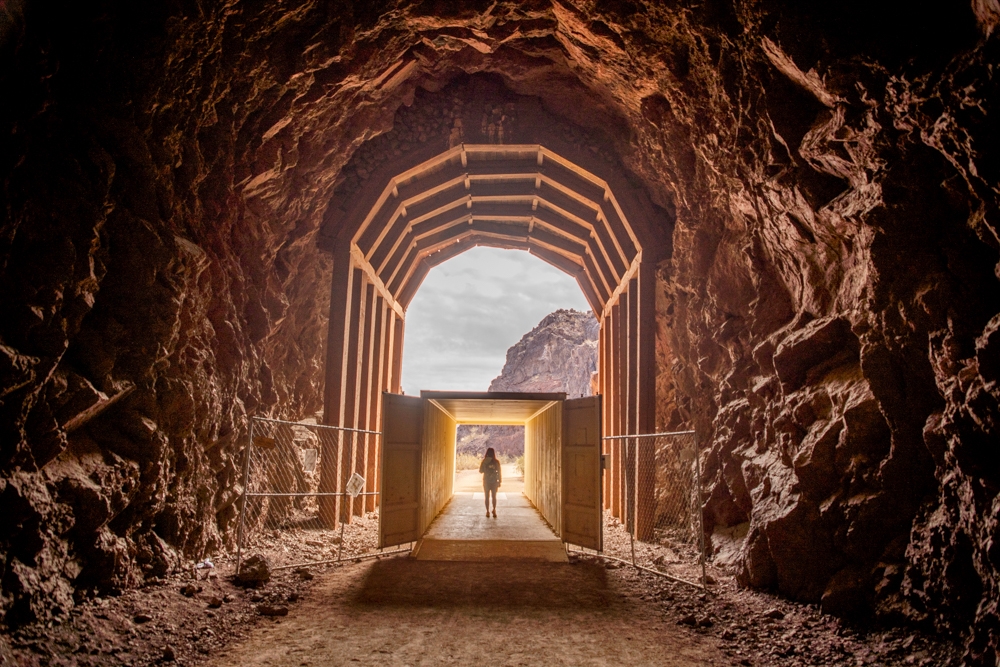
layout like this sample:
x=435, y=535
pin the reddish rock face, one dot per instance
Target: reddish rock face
x=827, y=188
x=557, y=356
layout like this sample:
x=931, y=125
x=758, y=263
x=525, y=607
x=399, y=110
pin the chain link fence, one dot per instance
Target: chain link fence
x=308, y=493
x=308, y=498
x=654, y=516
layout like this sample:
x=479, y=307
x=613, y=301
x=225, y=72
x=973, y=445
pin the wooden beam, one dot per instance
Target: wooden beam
x=455, y=249
x=373, y=279
x=616, y=409
x=382, y=385
x=457, y=215
x=633, y=355
x=646, y=393
x=366, y=364
x=352, y=390
x=606, y=422
x=583, y=279
x=602, y=254
x=102, y=403
x=395, y=385
x=623, y=285
x=588, y=214
x=600, y=284
x=504, y=166
x=409, y=266
x=394, y=231
x=341, y=307
x=647, y=348
x=557, y=242
x=398, y=182
x=400, y=260
x=609, y=195
x=606, y=249
x=557, y=259
x=446, y=236
x=458, y=247
x=622, y=392
x=631, y=422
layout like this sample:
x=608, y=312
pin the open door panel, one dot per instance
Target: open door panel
x=402, y=436
x=581, y=473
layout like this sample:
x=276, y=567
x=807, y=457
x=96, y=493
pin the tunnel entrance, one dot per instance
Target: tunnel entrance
x=562, y=459
x=517, y=196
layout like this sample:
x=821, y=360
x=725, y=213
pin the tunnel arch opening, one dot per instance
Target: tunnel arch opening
x=512, y=196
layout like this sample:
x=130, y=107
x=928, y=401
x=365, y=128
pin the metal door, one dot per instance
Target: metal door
x=402, y=436
x=581, y=473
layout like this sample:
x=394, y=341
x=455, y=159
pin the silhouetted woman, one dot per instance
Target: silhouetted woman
x=490, y=468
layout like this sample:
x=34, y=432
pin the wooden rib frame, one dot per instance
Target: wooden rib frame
x=524, y=197
x=461, y=185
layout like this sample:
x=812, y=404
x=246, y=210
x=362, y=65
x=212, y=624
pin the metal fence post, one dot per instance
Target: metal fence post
x=243, y=501
x=630, y=493
x=701, y=512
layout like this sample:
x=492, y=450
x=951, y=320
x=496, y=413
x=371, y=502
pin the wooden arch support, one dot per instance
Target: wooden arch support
x=506, y=196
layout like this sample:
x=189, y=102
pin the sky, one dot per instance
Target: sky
x=473, y=307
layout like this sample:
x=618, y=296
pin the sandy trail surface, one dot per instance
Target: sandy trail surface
x=400, y=611
x=403, y=611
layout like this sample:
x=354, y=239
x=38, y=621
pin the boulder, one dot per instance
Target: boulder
x=254, y=571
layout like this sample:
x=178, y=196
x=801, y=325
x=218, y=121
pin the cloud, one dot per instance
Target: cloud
x=470, y=309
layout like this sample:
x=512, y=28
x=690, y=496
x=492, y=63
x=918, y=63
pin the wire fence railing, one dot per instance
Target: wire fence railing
x=653, y=519
x=308, y=493
x=309, y=498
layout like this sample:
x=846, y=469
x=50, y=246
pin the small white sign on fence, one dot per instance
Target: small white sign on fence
x=355, y=485
x=309, y=458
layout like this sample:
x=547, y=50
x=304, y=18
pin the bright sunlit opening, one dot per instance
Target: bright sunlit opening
x=470, y=309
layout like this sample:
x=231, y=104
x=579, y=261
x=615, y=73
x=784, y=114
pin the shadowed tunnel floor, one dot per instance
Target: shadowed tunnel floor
x=402, y=611
x=496, y=586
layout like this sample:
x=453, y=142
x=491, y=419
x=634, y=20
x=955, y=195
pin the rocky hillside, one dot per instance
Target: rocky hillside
x=558, y=355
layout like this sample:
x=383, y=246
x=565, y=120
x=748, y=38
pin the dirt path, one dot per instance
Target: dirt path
x=404, y=612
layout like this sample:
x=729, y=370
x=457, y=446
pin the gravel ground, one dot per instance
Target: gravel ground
x=672, y=557
x=296, y=546
x=757, y=628
x=193, y=615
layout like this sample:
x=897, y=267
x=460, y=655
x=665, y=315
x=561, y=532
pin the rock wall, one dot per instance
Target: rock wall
x=828, y=316
x=559, y=355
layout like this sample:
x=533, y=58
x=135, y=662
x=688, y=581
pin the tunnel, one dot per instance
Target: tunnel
x=783, y=214
x=562, y=459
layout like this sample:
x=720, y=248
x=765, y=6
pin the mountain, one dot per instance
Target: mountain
x=558, y=355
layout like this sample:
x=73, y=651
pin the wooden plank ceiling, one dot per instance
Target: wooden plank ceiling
x=503, y=196
x=491, y=408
